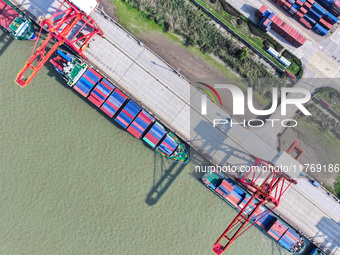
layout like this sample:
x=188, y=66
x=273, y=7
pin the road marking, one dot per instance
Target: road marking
x=336, y=37
x=322, y=65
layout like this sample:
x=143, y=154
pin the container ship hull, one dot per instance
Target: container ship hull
x=118, y=106
x=268, y=222
x=15, y=22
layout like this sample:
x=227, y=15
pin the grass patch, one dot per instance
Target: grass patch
x=183, y=23
x=133, y=20
x=330, y=96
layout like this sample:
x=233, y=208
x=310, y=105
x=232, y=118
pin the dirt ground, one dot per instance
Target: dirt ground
x=318, y=149
x=190, y=65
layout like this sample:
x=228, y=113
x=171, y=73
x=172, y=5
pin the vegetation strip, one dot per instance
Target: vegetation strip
x=251, y=35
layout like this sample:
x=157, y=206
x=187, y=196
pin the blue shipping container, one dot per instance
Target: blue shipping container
x=155, y=134
x=309, y=19
x=319, y=8
x=318, y=15
x=320, y=30
x=239, y=191
x=129, y=112
x=112, y=105
x=326, y=3
x=330, y=18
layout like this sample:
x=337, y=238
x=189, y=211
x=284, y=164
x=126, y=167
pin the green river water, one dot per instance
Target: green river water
x=72, y=182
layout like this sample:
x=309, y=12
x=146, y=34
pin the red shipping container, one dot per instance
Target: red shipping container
x=305, y=23
x=307, y=6
x=273, y=235
x=279, y=228
x=280, y=2
x=311, y=1
x=325, y=24
x=298, y=15
x=286, y=6
x=219, y=192
x=261, y=11
x=227, y=186
x=233, y=198
x=303, y=10
x=299, y=3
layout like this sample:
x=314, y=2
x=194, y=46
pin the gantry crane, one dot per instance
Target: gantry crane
x=70, y=24
x=267, y=183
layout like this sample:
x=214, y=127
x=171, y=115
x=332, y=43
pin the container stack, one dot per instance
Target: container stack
x=283, y=29
x=277, y=230
x=309, y=13
x=168, y=145
x=140, y=124
x=114, y=102
x=223, y=191
x=326, y=3
x=127, y=115
x=289, y=239
x=87, y=82
x=335, y=9
x=261, y=12
x=265, y=220
x=101, y=92
x=155, y=134
x=265, y=24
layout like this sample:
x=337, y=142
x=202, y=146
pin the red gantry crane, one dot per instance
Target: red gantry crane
x=267, y=183
x=70, y=24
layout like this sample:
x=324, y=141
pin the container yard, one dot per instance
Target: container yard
x=271, y=20
x=320, y=15
x=129, y=62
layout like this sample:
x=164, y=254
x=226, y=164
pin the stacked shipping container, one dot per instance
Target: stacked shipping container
x=114, y=102
x=283, y=29
x=140, y=124
x=100, y=93
x=155, y=134
x=309, y=13
x=86, y=83
x=127, y=114
x=335, y=9
x=168, y=145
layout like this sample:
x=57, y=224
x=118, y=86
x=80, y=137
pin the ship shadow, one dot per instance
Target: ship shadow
x=165, y=173
x=5, y=41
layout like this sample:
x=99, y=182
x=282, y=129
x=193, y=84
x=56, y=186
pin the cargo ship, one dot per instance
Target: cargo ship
x=15, y=22
x=118, y=106
x=266, y=220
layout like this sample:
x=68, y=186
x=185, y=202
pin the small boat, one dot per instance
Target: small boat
x=13, y=21
x=118, y=106
x=317, y=251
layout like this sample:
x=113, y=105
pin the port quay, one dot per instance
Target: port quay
x=174, y=100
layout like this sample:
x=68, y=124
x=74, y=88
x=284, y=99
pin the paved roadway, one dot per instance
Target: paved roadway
x=171, y=98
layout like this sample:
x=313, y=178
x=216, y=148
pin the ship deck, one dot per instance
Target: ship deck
x=7, y=14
